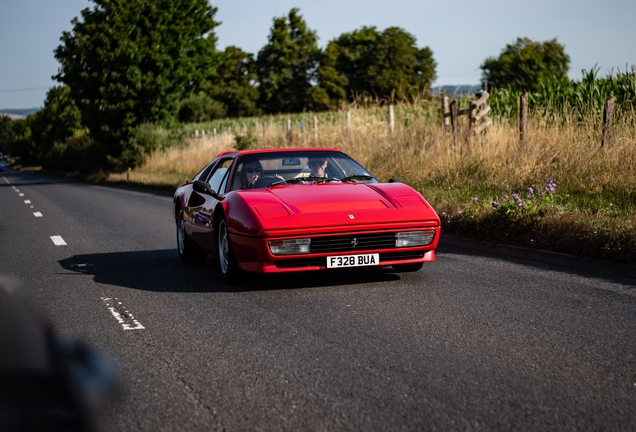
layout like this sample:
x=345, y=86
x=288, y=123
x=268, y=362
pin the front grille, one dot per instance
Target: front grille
x=352, y=242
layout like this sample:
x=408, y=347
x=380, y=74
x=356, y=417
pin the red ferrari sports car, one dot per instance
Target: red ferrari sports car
x=301, y=209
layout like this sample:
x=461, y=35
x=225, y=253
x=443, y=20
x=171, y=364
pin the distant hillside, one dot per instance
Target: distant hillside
x=456, y=90
x=16, y=114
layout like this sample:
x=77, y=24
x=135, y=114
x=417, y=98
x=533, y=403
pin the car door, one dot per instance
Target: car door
x=201, y=206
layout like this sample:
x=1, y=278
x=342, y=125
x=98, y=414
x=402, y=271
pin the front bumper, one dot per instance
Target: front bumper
x=253, y=254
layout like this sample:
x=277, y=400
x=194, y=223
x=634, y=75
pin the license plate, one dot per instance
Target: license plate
x=353, y=260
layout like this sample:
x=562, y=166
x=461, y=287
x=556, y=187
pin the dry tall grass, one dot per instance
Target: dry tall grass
x=168, y=168
x=419, y=152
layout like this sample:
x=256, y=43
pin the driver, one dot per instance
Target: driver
x=250, y=173
x=318, y=166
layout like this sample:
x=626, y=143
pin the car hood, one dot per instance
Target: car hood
x=326, y=205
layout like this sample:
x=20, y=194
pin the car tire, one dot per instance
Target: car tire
x=227, y=262
x=406, y=268
x=185, y=248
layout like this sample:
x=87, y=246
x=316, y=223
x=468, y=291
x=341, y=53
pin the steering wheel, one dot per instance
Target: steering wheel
x=266, y=181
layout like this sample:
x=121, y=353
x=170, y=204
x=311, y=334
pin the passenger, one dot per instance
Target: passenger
x=318, y=167
x=251, y=172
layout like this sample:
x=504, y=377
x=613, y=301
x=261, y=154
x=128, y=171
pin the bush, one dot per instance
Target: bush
x=199, y=108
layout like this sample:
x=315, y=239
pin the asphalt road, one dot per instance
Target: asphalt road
x=471, y=342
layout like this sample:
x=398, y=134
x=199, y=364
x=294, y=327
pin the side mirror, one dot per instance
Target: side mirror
x=395, y=180
x=202, y=188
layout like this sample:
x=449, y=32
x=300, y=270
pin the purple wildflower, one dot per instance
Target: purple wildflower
x=550, y=186
x=460, y=212
x=530, y=191
x=506, y=198
x=531, y=241
x=475, y=198
x=494, y=204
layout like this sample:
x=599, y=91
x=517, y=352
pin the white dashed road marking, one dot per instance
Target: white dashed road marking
x=37, y=214
x=27, y=201
x=58, y=241
x=123, y=317
x=20, y=194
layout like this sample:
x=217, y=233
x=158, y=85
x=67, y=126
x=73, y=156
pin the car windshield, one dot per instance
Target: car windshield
x=297, y=167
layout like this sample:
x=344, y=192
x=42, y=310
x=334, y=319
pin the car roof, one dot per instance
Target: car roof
x=276, y=150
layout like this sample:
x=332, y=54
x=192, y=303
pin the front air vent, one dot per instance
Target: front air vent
x=352, y=242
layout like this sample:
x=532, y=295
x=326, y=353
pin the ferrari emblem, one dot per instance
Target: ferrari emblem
x=354, y=242
x=351, y=217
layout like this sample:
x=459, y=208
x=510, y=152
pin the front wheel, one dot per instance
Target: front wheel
x=406, y=268
x=185, y=248
x=227, y=262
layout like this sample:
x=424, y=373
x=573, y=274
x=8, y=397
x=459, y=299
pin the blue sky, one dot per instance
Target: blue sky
x=461, y=33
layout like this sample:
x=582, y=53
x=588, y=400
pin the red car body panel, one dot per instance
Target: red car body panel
x=315, y=210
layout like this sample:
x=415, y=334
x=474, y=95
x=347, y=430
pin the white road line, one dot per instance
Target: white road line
x=16, y=190
x=37, y=214
x=6, y=180
x=20, y=194
x=123, y=317
x=58, y=241
x=27, y=201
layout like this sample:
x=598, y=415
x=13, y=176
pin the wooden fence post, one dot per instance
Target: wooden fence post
x=348, y=122
x=214, y=134
x=288, y=128
x=264, y=129
x=391, y=119
x=445, y=119
x=453, y=120
x=316, y=128
x=472, y=119
x=523, y=117
x=608, y=113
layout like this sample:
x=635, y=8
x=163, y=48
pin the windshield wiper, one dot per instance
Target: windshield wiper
x=361, y=177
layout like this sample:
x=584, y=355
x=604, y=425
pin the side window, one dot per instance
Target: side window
x=219, y=176
x=204, y=172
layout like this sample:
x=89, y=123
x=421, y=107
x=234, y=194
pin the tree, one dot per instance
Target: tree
x=6, y=133
x=132, y=62
x=235, y=83
x=372, y=64
x=525, y=65
x=54, y=125
x=286, y=65
x=332, y=88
